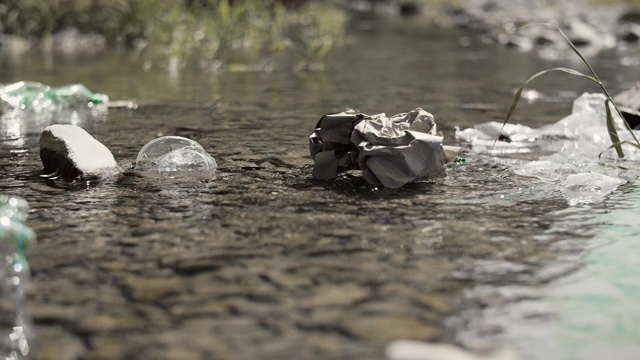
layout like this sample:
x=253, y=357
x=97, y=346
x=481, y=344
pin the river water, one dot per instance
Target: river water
x=263, y=262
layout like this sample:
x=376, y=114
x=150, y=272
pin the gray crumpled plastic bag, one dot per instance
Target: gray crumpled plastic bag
x=390, y=151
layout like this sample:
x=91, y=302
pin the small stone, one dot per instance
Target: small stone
x=629, y=98
x=415, y=350
x=57, y=344
x=387, y=328
x=124, y=320
x=334, y=295
x=630, y=16
x=53, y=313
x=68, y=151
x=150, y=289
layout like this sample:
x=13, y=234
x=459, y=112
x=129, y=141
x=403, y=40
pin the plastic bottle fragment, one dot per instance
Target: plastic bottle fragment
x=587, y=188
x=15, y=240
x=33, y=95
x=174, y=157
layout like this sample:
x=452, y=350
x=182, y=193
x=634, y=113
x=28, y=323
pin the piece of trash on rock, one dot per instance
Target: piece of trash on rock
x=418, y=350
x=33, y=95
x=174, y=157
x=69, y=152
x=390, y=151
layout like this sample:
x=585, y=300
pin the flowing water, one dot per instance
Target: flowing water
x=263, y=262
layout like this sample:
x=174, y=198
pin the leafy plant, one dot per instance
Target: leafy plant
x=609, y=103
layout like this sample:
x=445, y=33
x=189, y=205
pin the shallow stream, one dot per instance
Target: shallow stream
x=264, y=262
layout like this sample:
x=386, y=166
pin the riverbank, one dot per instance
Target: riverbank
x=210, y=32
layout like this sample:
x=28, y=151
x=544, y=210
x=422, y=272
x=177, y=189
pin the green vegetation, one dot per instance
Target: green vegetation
x=609, y=103
x=205, y=31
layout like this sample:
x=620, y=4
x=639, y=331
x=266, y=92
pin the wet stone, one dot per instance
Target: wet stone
x=54, y=314
x=150, y=289
x=387, y=328
x=121, y=320
x=55, y=343
x=195, y=310
x=332, y=295
x=69, y=151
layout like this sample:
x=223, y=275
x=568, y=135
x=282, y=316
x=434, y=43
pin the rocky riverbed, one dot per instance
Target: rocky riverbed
x=262, y=261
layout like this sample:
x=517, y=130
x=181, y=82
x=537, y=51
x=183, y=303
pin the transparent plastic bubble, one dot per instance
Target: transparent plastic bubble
x=174, y=157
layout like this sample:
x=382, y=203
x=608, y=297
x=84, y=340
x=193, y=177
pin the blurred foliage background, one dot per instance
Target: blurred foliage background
x=210, y=29
x=207, y=34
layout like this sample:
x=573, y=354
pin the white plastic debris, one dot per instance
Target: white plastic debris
x=575, y=142
x=587, y=188
x=418, y=350
x=174, y=157
x=586, y=124
x=16, y=330
x=390, y=151
x=68, y=151
x=544, y=170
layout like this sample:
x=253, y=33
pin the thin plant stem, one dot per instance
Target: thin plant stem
x=613, y=133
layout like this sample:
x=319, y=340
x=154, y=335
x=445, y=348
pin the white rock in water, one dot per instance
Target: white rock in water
x=70, y=152
x=588, y=188
x=418, y=350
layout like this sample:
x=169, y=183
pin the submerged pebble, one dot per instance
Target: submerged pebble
x=418, y=350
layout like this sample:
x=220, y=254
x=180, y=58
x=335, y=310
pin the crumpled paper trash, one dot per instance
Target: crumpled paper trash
x=391, y=151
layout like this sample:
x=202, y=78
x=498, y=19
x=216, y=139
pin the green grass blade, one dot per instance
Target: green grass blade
x=571, y=45
x=518, y=94
x=613, y=134
x=624, y=142
x=611, y=127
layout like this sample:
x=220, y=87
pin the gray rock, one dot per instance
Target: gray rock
x=629, y=103
x=57, y=344
x=388, y=327
x=69, y=152
x=630, y=98
x=417, y=350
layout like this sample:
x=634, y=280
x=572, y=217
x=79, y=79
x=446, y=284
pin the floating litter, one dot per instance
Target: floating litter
x=33, y=95
x=174, y=157
x=16, y=328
